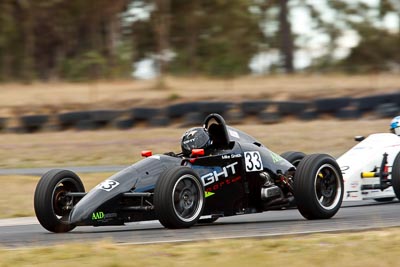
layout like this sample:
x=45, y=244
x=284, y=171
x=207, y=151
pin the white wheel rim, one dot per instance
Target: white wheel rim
x=327, y=187
x=187, y=199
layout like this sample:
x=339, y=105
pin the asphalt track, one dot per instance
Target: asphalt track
x=353, y=216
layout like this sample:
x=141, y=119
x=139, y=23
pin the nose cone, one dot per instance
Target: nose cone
x=81, y=213
x=80, y=216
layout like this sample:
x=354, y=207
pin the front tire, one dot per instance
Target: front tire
x=52, y=206
x=318, y=187
x=396, y=176
x=179, y=198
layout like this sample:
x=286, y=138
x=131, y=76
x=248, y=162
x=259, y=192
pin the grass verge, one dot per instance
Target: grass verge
x=362, y=249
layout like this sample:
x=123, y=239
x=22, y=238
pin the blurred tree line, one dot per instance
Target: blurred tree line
x=66, y=39
x=90, y=39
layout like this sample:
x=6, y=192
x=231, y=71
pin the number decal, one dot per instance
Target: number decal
x=253, y=161
x=108, y=185
x=344, y=169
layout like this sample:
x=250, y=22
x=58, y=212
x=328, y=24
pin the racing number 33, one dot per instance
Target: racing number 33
x=253, y=161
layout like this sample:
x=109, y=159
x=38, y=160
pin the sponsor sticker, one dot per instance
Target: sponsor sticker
x=275, y=157
x=232, y=156
x=233, y=133
x=101, y=216
x=97, y=216
x=213, y=177
x=354, y=184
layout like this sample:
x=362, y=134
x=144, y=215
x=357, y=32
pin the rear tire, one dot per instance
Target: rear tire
x=293, y=157
x=318, y=187
x=179, y=198
x=396, y=176
x=52, y=206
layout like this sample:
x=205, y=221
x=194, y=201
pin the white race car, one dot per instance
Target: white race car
x=371, y=169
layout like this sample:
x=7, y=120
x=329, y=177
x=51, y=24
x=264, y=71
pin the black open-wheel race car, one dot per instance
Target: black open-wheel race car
x=221, y=171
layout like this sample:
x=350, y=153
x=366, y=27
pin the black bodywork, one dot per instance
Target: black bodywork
x=238, y=174
x=229, y=189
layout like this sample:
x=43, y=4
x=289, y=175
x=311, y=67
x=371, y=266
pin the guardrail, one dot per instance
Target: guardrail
x=192, y=113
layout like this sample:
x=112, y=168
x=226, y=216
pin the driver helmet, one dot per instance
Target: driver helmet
x=195, y=138
x=395, y=125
